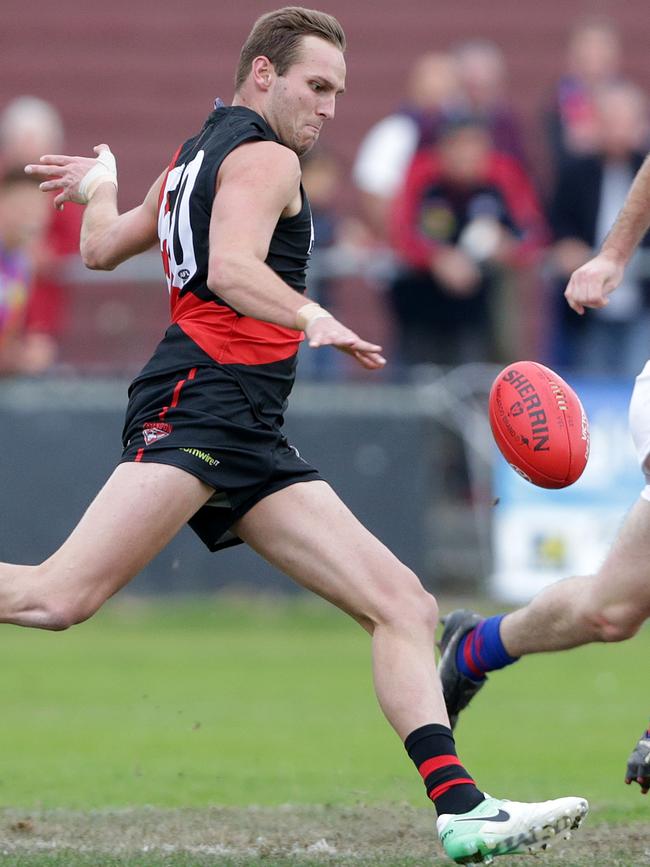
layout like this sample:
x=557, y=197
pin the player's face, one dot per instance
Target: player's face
x=305, y=96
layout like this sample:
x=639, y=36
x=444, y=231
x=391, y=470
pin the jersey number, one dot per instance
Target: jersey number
x=174, y=226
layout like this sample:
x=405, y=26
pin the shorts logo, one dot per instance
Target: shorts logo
x=155, y=430
x=202, y=456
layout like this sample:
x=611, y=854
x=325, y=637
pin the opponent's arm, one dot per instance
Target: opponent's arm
x=638, y=765
x=591, y=284
x=107, y=237
x=257, y=184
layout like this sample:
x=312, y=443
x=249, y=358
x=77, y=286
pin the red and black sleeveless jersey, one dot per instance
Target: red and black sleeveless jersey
x=205, y=328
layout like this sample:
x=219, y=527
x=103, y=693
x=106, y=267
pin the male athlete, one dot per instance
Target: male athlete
x=203, y=441
x=610, y=605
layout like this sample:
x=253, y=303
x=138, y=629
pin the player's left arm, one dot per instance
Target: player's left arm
x=257, y=184
x=107, y=237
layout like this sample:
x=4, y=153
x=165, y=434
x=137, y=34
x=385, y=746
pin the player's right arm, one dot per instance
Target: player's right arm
x=107, y=237
x=591, y=285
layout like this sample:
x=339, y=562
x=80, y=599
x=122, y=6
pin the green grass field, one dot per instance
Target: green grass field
x=263, y=711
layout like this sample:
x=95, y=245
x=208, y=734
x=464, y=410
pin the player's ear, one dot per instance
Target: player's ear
x=262, y=72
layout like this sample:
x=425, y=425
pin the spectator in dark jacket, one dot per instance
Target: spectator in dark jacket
x=589, y=193
x=466, y=215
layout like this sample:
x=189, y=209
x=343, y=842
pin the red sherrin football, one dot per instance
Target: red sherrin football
x=539, y=424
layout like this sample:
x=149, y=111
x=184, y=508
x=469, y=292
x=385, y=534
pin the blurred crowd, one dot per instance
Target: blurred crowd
x=35, y=242
x=460, y=244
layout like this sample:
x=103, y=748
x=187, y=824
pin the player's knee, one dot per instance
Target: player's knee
x=409, y=603
x=428, y=612
x=616, y=622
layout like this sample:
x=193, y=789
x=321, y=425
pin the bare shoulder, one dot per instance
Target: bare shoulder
x=263, y=162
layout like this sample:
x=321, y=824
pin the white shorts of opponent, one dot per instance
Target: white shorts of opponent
x=640, y=424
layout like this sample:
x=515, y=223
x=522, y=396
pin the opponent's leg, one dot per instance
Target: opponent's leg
x=608, y=606
x=138, y=511
x=307, y=532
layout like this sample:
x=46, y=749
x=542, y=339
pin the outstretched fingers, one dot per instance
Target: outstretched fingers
x=328, y=331
x=370, y=360
x=367, y=354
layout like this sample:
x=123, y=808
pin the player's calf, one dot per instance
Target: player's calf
x=32, y=596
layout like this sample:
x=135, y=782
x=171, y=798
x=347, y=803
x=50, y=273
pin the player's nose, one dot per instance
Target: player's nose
x=327, y=107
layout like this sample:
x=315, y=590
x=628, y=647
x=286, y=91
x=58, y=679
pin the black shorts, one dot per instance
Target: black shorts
x=203, y=422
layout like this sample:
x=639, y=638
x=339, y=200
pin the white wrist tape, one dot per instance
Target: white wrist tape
x=308, y=313
x=104, y=170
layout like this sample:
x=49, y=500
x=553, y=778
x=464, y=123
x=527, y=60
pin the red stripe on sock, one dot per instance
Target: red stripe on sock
x=139, y=454
x=469, y=659
x=444, y=787
x=436, y=763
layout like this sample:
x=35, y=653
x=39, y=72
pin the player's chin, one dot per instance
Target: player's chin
x=306, y=143
x=303, y=147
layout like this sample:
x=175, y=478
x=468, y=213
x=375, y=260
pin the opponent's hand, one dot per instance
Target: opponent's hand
x=591, y=284
x=77, y=177
x=638, y=765
x=327, y=331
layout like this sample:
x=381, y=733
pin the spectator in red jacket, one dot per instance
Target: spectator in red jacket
x=23, y=218
x=432, y=96
x=29, y=128
x=466, y=216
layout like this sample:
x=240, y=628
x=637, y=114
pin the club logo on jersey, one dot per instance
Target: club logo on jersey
x=155, y=430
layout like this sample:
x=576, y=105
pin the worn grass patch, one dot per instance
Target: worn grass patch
x=399, y=836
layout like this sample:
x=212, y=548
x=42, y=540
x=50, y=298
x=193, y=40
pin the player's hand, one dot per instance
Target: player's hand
x=76, y=177
x=638, y=765
x=591, y=284
x=455, y=271
x=327, y=331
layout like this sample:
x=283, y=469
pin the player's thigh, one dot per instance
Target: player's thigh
x=137, y=512
x=307, y=532
x=624, y=577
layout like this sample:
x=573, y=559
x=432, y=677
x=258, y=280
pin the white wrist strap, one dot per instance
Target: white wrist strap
x=308, y=313
x=104, y=170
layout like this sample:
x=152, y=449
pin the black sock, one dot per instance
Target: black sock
x=448, y=784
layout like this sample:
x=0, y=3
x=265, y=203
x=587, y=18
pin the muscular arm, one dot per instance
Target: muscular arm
x=633, y=220
x=591, y=285
x=258, y=183
x=107, y=237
